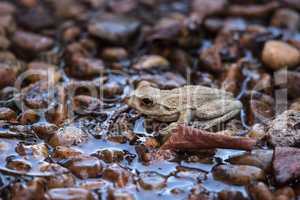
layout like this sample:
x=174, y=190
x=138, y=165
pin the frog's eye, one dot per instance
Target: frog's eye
x=147, y=102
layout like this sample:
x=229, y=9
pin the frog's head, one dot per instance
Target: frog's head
x=148, y=100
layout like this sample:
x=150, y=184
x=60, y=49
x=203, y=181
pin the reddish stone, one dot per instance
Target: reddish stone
x=286, y=164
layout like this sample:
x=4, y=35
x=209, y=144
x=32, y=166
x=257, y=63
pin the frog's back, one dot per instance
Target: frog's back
x=191, y=96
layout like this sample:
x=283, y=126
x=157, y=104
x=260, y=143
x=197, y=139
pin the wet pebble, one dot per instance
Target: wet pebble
x=28, y=117
x=278, y=54
x=18, y=164
x=284, y=129
x=286, y=18
x=284, y=193
x=4, y=42
x=113, y=28
x=166, y=80
x=57, y=111
x=151, y=62
x=193, y=174
x=71, y=33
x=96, y=184
x=238, y=174
x=34, y=189
x=117, y=175
x=259, y=191
x=36, y=18
x=84, y=104
x=84, y=166
x=258, y=158
x=7, y=23
x=69, y=193
x=231, y=195
x=286, y=164
x=8, y=72
x=199, y=192
x=68, y=136
x=114, y=54
x=7, y=114
x=44, y=130
x=42, y=71
x=61, y=181
x=117, y=194
x=203, y=8
x=61, y=152
x=37, y=96
x=32, y=41
x=85, y=68
x=152, y=181
x=254, y=10
x=110, y=155
x=37, y=151
x=112, y=89
x=7, y=8
x=211, y=59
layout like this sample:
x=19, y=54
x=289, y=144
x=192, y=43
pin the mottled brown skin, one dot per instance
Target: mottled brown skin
x=209, y=106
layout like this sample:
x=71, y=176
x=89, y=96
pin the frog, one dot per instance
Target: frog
x=204, y=106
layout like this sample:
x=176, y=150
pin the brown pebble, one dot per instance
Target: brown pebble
x=152, y=181
x=85, y=68
x=8, y=72
x=44, y=130
x=61, y=152
x=238, y=174
x=115, y=194
x=110, y=155
x=117, y=175
x=7, y=23
x=4, y=43
x=61, y=181
x=32, y=41
x=7, y=8
x=123, y=28
x=71, y=33
x=259, y=191
x=114, y=54
x=84, y=166
x=18, y=164
x=68, y=136
x=278, y=54
x=29, y=117
x=285, y=192
x=151, y=62
x=34, y=189
x=258, y=158
x=69, y=193
x=7, y=114
x=286, y=18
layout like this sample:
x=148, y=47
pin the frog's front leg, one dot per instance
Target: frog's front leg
x=184, y=118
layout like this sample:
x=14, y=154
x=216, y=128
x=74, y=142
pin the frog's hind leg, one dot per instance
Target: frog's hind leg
x=218, y=109
x=207, y=124
x=216, y=113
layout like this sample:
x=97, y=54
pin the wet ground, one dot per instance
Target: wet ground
x=66, y=68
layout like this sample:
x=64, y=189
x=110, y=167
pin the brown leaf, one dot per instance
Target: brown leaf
x=188, y=138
